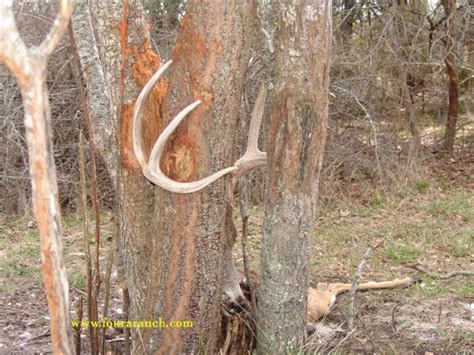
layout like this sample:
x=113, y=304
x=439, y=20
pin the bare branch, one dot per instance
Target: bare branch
x=355, y=284
x=13, y=51
x=59, y=26
x=442, y=276
x=372, y=124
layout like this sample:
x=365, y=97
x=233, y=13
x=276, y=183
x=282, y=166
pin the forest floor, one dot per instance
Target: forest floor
x=430, y=222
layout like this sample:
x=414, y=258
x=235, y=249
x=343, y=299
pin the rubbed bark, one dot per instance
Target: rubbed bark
x=295, y=145
x=189, y=252
x=453, y=95
x=179, y=272
x=111, y=113
x=28, y=65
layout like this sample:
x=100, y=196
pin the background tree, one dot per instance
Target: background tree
x=295, y=142
x=449, y=7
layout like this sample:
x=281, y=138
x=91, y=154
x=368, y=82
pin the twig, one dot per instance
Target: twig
x=115, y=340
x=355, y=284
x=126, y=311
x=79, y=291
x=91, y=310
x=44, y=334
x=440, y=312
x=78, y=330
x=245, y=219
x=442, y=276
x=348, y=335
x=95, y=200
x=367, y=332
x=110, y=263
x=372, y=124
x=118, y=184
x=394, y=323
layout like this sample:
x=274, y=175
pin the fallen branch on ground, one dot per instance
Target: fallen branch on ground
x=442, y=276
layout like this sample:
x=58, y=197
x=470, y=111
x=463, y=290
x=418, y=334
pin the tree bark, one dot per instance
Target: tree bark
x=176, y=273
x=113, y=87
x=295, y=145
x=191, y=253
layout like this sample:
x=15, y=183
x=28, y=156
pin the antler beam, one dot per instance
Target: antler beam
x=252, y=157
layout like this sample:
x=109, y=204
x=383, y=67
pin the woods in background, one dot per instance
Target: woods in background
x=398, y=71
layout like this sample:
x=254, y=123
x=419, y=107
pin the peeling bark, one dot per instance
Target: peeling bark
x=100, y=57
x=295, y=145
x=209, y=62
x=177, y=272
x=97, y=33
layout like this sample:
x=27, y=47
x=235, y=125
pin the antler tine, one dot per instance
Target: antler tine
x=253, y=157
x=137, y=114
x=154, y=170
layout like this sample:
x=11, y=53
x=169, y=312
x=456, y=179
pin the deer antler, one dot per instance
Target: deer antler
x=252, y=157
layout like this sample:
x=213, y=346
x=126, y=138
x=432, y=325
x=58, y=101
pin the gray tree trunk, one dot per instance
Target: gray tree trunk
x=101, y=63
x=394, y=18
x=295, y=145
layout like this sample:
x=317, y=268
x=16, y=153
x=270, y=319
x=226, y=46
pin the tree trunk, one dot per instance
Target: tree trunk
x=113, y=85
x=394, y=17
x=415, y=143
x=295, y=145
x=192, y=264
x=172, y=246
x=453, y=95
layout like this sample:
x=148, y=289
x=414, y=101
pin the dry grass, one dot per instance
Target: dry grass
x=430, y=222
x=24, y=327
